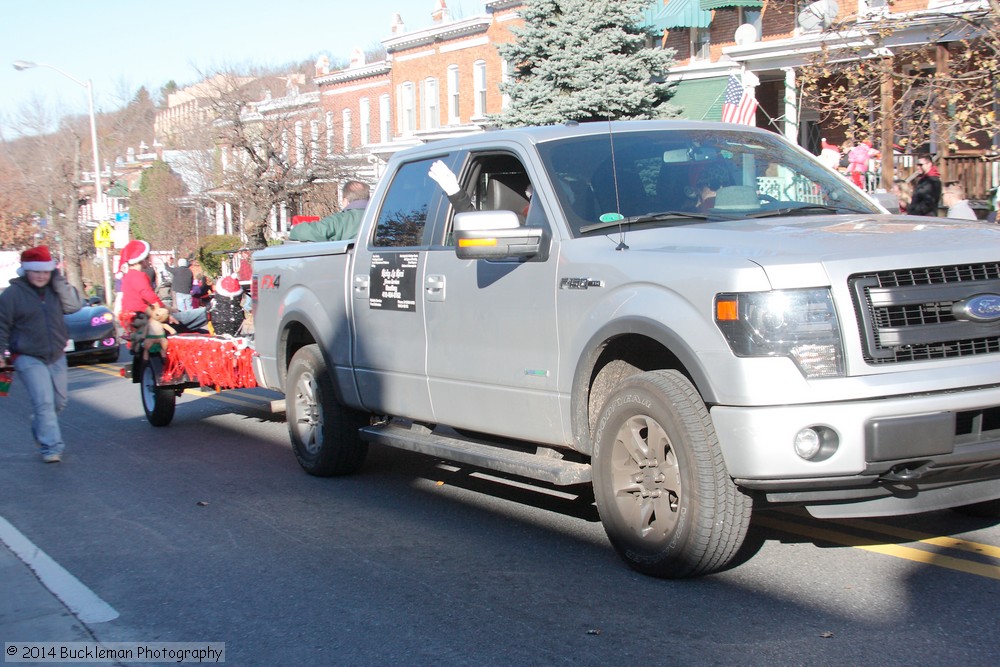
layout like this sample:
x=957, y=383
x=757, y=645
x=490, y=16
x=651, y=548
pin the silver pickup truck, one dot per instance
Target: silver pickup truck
x=691, y=317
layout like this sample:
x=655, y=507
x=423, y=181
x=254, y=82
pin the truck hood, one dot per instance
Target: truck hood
x=795, y=250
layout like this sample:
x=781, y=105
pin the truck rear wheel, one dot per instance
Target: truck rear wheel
x=665, y=498
x=323, y=432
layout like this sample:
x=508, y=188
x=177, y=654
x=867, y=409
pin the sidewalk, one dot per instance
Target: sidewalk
x=29, y=612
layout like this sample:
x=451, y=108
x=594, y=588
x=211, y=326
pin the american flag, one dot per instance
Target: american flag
x=738, y=107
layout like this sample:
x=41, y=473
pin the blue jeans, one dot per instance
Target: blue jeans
x=182, y=300
x=48, y=387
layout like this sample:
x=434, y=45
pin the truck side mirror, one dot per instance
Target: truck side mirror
x=495, y=235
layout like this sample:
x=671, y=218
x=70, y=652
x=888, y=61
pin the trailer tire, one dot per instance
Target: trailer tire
x=667, y=502
x=324, y=433
x=158, y=403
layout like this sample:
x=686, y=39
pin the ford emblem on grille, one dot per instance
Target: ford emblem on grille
x=979, y=308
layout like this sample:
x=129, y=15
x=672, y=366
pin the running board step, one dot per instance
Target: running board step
x=492, y=457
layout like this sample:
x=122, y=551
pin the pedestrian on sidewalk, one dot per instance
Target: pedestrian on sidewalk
x=181, y=281
x=33, y=331
x=926, y=188
x=958, y=206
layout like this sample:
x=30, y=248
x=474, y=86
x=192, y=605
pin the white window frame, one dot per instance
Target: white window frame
x=385, y=118
x=454, y=96
x=430, y=111
x=365, y=120
x=313, y=141
x=300, y=145
x=346, y=122
x=407, y=109
x=701, y=44
x=329, y=133
x=479, y=88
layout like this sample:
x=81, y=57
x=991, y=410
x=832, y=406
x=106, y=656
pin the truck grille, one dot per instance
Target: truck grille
x=918, y=314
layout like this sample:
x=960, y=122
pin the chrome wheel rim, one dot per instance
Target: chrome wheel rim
x=308, y=415
x=646, y=478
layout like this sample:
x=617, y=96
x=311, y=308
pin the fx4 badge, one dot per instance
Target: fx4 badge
x=268, y=281
x=580, y=283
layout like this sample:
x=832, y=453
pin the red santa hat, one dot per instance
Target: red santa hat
x=36, y=259
x=228, y=286
x=134, y=252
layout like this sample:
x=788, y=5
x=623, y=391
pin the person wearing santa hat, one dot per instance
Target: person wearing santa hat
x=33, y=332
x=138, y=294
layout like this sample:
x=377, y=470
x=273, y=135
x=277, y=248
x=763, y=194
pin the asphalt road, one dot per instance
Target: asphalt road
x=208, y=531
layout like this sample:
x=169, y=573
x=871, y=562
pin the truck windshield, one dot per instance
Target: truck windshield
x=713, y=175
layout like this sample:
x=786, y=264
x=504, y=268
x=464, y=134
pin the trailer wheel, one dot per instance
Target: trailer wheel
x=665, y=498
x=323, y=432
x=158, y=403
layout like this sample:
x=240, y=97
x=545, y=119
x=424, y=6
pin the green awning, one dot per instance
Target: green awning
x=709, y=5
x=700, y=99
x=676, y=14
x=119, y=189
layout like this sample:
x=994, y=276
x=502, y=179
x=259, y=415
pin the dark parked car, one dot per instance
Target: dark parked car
x=92, y=333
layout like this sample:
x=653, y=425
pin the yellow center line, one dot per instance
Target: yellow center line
x=858, y=542
x=914, y=536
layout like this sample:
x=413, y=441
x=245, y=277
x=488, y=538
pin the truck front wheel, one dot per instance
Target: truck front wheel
x=665, y=498
x=323, y=432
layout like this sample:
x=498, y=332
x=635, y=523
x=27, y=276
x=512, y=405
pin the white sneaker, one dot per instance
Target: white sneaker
x=52, y=458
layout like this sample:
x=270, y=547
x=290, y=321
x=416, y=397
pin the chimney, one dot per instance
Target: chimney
x=322, y=66
x=396, y=26
x=357, y=58
x=441, y=14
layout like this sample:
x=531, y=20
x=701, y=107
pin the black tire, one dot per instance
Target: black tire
x=665, y=498
x=989, y=509
x=323, y=432
x=158, y=403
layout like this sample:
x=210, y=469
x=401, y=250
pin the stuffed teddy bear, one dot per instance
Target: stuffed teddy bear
x=154, y=336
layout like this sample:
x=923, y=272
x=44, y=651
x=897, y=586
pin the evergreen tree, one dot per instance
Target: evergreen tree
x=583, y=60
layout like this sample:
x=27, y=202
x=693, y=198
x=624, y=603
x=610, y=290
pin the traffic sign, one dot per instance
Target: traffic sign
x=102, y=235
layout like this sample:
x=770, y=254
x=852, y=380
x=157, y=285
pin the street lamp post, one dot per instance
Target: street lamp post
x=100, y=207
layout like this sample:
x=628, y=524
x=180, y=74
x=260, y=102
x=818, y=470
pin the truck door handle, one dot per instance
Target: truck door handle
x=360, y=286
x=434, y=288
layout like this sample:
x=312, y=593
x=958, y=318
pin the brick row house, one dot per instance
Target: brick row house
x=443, y=80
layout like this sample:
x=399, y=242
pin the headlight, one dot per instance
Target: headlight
x=101, y=320
x=799, y=324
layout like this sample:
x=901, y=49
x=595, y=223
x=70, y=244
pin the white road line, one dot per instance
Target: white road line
x=80, y=600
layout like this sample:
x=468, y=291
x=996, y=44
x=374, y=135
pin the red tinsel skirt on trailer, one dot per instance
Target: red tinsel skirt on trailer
x=211, y=361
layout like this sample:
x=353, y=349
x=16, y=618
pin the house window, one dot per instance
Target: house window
x=407, y=109
x=479, y=88
x=504, y=78
x=347, y=130
x=870, y=7
x=313, y=140
x=751, y=16
x=300, y=146
x=385, y=118
x=700, y=44
x=329, y=133
x=364, y=122
x=454, y=114
x=431, y=117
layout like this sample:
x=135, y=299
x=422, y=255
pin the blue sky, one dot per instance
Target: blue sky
x=123, y=45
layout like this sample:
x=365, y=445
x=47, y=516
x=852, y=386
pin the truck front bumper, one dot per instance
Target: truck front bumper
x=895, y=455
